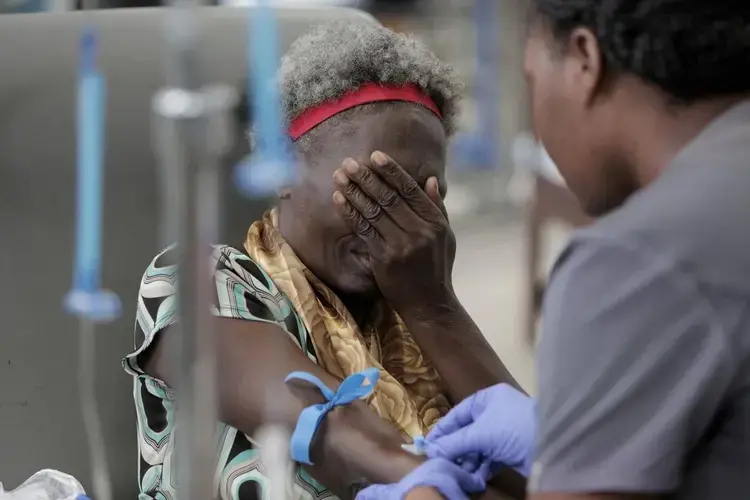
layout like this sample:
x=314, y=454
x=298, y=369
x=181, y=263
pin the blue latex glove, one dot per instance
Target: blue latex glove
x=453, y=482
x=497, y=423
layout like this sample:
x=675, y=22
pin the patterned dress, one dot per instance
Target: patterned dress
x=243, y=291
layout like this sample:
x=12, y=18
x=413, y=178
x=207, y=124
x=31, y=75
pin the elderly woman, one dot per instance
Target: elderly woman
x=351, y=270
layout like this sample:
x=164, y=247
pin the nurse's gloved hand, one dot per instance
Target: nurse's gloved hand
x=453, y=482
x=497, y=423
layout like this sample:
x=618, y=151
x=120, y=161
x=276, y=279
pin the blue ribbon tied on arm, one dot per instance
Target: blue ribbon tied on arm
x=354, y=387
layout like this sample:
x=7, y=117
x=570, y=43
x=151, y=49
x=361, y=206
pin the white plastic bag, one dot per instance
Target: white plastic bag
x=47, y=484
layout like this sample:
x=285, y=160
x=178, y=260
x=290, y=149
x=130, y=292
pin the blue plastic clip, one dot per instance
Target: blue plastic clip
x=417, y=447
x=355, y=386
x=420, y=443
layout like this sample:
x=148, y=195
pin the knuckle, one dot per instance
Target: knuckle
x=388, y=199
x=363, y=227
x=440, y=229
x=426, y=237
x=365, y=178
x=365, y=175
x=390, y=253
x=391, y=169
x=372, y=212
x=349, y=212
x=410, y=187
x=395, y=254
x=420, y=244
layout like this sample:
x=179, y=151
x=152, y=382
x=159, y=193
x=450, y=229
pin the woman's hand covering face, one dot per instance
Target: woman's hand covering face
x=409, y=240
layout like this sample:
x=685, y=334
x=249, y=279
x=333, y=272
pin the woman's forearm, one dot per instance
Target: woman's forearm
x=353, y=446
x=425, y=493
x=433, y=494
x=353, y=450
x=457, y=349
x=493, y=493
x=507, y=484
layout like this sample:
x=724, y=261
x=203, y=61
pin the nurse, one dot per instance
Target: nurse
x=644, y=360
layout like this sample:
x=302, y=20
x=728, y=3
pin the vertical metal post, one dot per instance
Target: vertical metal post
x=193, y=134
x=181, y=117
x=270, y=169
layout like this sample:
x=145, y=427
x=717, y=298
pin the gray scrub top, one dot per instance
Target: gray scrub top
x=644, y=358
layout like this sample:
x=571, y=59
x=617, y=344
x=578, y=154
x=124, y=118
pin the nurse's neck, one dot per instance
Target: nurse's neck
x=659, y=129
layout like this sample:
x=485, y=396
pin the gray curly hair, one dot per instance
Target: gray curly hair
x=339, y=56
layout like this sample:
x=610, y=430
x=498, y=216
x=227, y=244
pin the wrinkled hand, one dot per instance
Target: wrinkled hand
x=409, y=240
x=449, y=479
x=497, y=423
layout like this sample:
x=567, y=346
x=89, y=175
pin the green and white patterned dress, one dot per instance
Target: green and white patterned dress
x=243, y=291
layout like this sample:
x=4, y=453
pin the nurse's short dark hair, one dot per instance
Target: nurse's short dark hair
x=690, y=49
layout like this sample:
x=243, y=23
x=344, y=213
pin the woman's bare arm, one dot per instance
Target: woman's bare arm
x=458, y=350
x=510, y=483
x=466, y=363
x=353, y=445
x=427, y=493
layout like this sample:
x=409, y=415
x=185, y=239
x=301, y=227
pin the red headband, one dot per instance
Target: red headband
x=369, y=92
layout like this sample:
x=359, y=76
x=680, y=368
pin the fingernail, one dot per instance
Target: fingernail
x=338, y=198
x=432, y=185
x=340, y=178
x=379, y=158
x=351, y=166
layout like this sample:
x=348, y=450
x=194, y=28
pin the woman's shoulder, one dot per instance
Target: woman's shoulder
x=243, y=289
x=164, y=267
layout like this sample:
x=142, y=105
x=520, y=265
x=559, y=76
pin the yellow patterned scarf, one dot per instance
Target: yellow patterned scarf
x=409, y=393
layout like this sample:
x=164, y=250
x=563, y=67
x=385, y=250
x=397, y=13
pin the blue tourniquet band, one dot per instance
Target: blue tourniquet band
x=355, y=386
